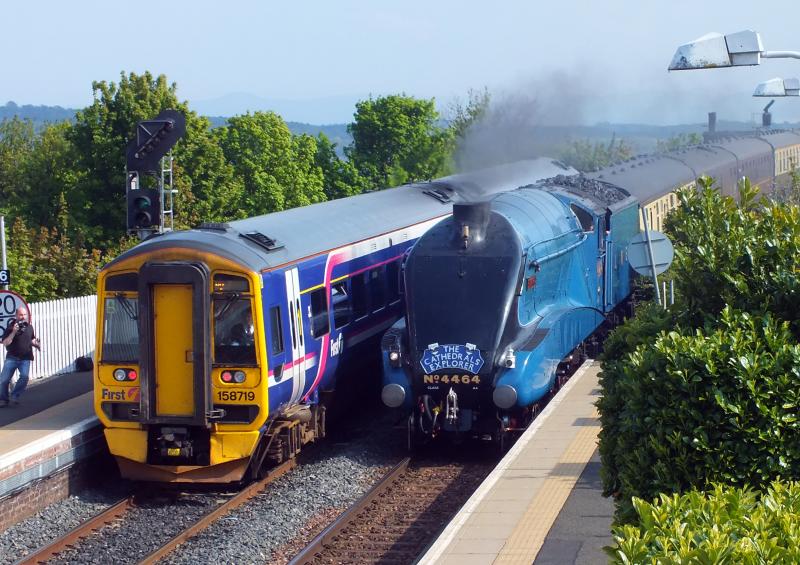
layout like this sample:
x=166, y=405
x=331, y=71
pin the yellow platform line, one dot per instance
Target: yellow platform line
x=528, y=537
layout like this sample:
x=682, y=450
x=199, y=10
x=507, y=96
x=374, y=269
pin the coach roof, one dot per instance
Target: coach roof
x=310, y=230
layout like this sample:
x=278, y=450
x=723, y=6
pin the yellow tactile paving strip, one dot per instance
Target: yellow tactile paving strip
x=528, y=537
x=508, y=518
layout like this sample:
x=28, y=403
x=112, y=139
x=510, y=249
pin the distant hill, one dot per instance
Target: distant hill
x=642, y=137
x=39, y=115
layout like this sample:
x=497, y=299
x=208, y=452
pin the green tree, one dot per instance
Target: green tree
x=340, y=177
x=679, y=141
x=17, y=139
x=462, y=115
x=277, y=170
x=397, y=139
x=588, y=157
x=100, y=135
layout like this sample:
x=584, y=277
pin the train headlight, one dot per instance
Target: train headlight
x=239, y=376
x=394, y=358
x=132, y=376
x=508, y=360
x=120, y=375
x=226, y=376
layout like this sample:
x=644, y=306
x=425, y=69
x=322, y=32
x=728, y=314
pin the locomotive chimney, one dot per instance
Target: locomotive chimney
x=471, y=220
x=712, y=122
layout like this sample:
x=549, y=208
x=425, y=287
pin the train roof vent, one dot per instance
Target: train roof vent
x=438, y=194
x=259, y=238
x=215, y=226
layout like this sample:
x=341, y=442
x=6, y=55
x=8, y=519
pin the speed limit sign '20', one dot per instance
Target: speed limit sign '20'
x=9, y=302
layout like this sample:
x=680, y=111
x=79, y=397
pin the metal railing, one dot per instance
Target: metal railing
x=67, y=330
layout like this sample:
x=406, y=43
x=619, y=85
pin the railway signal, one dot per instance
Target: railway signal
x=148, y=207
x=144, y=208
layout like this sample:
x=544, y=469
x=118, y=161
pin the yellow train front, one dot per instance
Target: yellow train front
x=161, y=319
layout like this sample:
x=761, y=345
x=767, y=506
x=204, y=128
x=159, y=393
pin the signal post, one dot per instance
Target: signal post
x=149, y=208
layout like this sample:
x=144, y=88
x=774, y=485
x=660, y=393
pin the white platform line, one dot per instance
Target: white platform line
x=452, y=529
x=46, y=442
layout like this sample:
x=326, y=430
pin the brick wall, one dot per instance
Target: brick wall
x=59, y=486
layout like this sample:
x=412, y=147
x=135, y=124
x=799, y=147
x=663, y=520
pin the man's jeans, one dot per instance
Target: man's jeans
x=12, y=364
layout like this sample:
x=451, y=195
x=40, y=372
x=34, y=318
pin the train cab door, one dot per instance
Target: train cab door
x=296, y=368
x=175, y=362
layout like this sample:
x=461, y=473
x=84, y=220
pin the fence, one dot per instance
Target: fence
x=67, y=330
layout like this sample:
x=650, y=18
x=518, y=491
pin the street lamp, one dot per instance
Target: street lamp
x=778, y=87
x=715, y=50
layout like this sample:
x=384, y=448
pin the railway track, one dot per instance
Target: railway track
x=399, y=516
x=119, y=509
x=86, y=529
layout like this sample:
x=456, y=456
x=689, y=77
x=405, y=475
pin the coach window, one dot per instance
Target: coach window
x=393, y=281
x=276, y=330
x=377, y=289
x=319, y=312
x=360, y=297
x=341, y=304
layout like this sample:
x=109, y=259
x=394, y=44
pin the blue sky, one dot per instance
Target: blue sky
x=581, y=61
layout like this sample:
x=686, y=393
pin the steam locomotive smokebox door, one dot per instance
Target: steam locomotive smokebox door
x=174, y=304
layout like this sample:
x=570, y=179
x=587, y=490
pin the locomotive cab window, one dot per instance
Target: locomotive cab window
x=318, y=312
x=585, y=219
x=234, y=330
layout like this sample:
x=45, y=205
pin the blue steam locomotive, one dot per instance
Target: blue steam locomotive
x=506, y=290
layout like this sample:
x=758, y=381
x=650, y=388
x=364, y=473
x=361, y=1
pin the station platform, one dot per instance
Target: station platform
x=43, y=440
x=542, y=504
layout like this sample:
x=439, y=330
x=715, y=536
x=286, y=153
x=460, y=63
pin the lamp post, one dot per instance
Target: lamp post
x=714, y=50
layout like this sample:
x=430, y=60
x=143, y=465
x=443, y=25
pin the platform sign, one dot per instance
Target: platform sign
x=639, y=253
x=9, y=302
x=5, y=276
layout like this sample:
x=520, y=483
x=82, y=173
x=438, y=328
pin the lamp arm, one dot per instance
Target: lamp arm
x=781, y=54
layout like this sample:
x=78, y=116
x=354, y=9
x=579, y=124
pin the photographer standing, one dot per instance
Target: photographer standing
x=19, y=340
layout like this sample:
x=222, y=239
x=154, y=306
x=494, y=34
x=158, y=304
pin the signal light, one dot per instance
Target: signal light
x=144, y=209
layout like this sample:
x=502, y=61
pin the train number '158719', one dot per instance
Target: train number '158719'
x=452, y=379
x=236, y=395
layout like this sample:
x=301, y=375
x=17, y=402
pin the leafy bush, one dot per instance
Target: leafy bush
x=713, y=406
x=643, y=329
x=745, y=256
x=725, y=525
